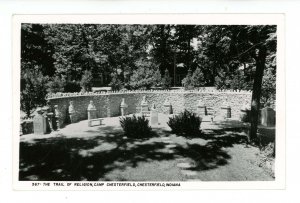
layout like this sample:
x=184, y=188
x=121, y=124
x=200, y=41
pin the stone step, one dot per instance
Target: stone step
x=189, y=173
x=171, y=146
x=185, y=165
x=193, y=180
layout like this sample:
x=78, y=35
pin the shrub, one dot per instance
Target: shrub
x=187, y=81
x=115, y=83
x=145, y=76
x=27, y=127
x=86, y=81
x=166, y=80
x=33, y=90
x=135, y=127
x=197, y=79
x=157, y=80
x=57, y=84
x=186, y=123
x=142, y=78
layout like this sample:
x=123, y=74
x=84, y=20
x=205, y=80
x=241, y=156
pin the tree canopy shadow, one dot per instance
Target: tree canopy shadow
x=76, y=159
x=91, y=158
x=265, y=134
x=205, y=157
x=226, y=137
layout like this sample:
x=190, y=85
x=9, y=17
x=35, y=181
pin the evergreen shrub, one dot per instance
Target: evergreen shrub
x=57, y=84
x=186, y=124
x=135, y=127
x=86, y=81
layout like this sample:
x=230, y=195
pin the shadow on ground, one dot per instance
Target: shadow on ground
x=266, y=135
x=90, y=158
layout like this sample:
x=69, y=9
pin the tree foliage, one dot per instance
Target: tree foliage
x=33, y=90
x=57, y=84
x=145, y=76
x=70, y=56
x=36, y=50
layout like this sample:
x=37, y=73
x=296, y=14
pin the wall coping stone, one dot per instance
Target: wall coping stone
x=81, y=94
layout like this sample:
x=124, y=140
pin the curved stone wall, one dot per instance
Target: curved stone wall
x=108, y=104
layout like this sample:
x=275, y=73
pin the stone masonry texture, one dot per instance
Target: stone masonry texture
x=108, y=104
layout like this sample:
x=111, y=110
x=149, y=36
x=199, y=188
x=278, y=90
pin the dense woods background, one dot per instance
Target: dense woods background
x=76, y=57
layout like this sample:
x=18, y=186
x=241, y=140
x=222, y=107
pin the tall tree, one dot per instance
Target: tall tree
x=36, y=66
x=226, y=48
x=162, y=46
x=102, y=49
x=263, y=40
x=36, y=51
x=33, y=90
x=184, y=34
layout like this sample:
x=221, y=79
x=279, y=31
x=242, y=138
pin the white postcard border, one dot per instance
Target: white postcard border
x=202, y=19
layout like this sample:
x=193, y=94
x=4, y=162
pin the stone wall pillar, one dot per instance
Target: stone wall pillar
x=201, y=109
x=123, y=107
x=153, y=116
x=144, y=105
x=167, y=107
x=92, y=111
x=57, y=115
x=72, y=112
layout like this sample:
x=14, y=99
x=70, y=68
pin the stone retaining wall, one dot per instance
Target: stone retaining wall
x=108, y=104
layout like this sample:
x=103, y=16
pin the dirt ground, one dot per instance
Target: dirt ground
x=102, y=153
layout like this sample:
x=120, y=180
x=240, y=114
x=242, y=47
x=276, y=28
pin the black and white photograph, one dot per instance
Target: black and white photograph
x=149, y=101
x=166, y=103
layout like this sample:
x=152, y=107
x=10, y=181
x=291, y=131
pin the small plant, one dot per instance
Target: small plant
x=186, y=123
x=135, y=126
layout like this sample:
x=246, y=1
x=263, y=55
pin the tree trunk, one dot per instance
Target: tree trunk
x=188, y=53
x=163, y=48
x=256, y=92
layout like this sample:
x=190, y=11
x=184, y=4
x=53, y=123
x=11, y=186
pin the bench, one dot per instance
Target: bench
x=95, y=120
